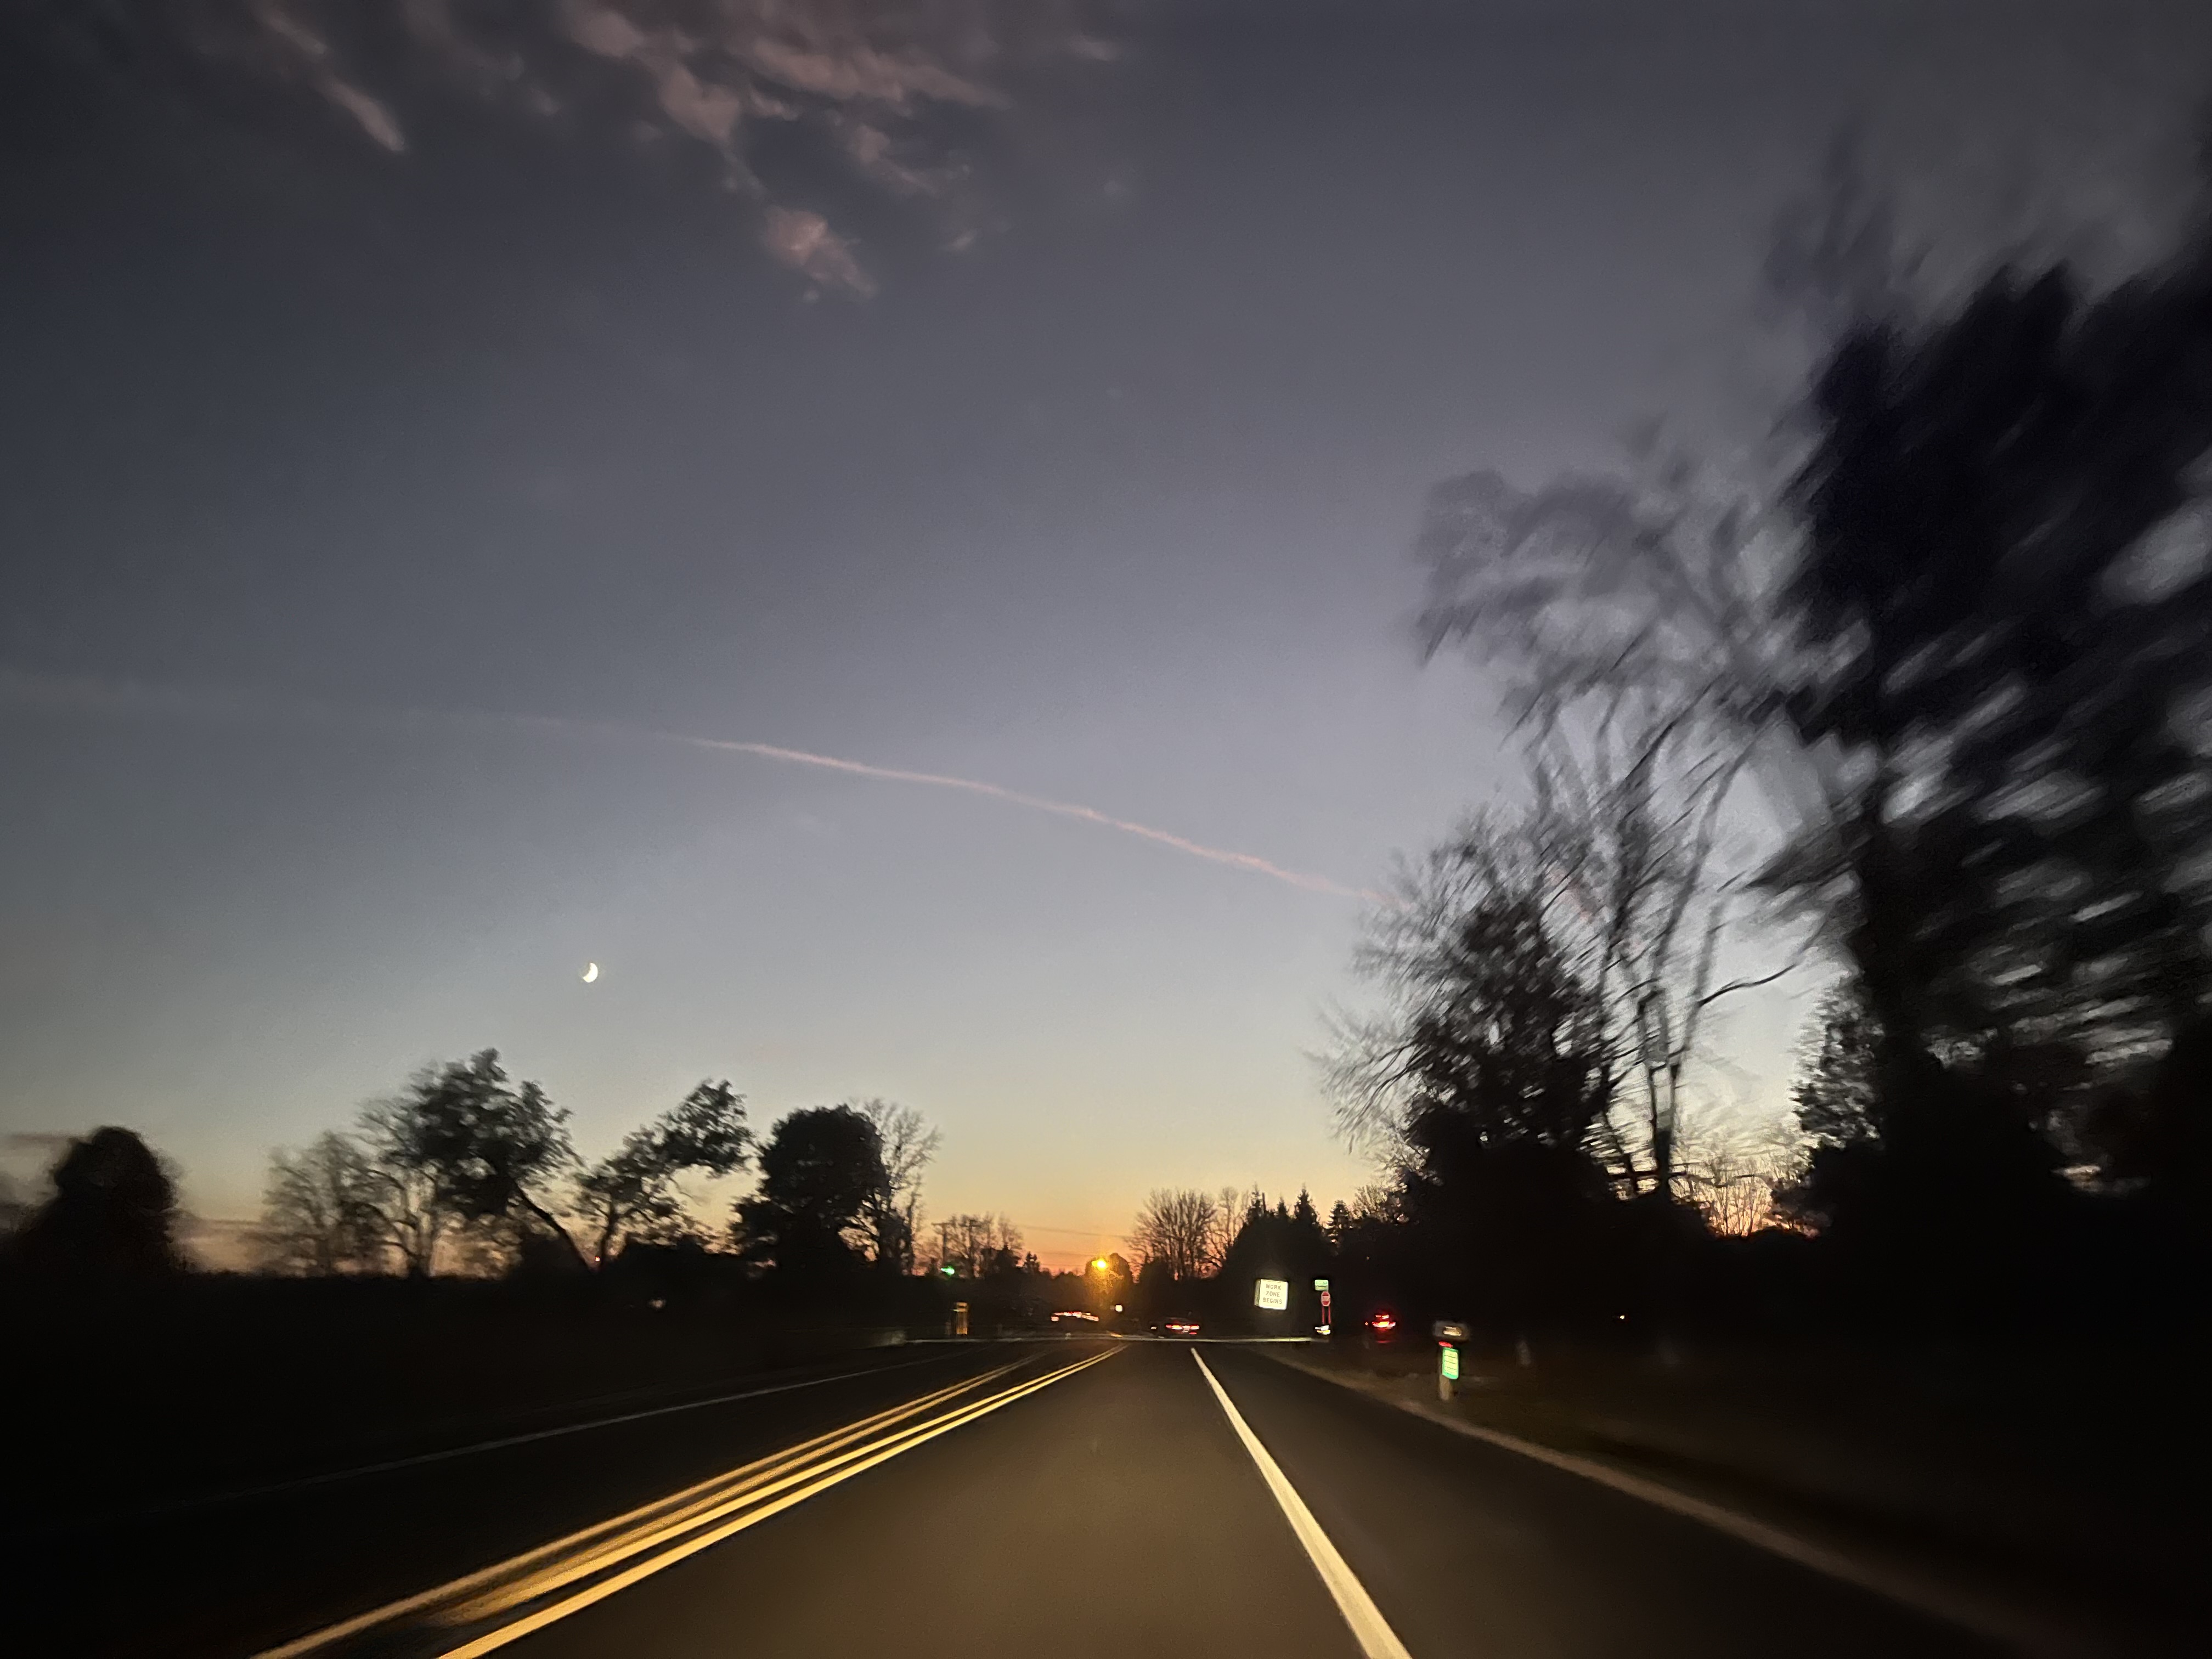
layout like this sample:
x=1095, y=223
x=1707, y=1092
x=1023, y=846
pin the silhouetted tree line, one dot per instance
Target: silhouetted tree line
x=468, y=1172
x=465, y=1170
x=1965, y=649
x=1201, y=1255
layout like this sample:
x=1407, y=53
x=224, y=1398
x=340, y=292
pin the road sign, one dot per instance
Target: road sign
x=1450, y=1362
x=1448, y=1330
x=1322, y=1285
x=1273, y=1293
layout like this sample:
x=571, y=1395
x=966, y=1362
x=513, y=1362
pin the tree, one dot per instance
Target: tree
x=421, y=1222
x=1309, y=1241
x=1157, y=1290
x=1837, y=1092
x=1108, y=1283
x=1965, y=639
x=1490, y=1034
x=323, y=1209
x=1737, y=1177
x=112, y=1215
x=894, y=1213
x=632, y=1194
x=1276, y=1241
x=1489, y=1079
x=977, y=1246
x=1628, y=821
x=821, y=1169
x=2014, y=670
x=494, y=1152
x=1180, y=1229
x=1340, y=1225
x=1372, y=1226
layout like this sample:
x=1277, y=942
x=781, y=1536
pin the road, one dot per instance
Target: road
x=1058, y=1498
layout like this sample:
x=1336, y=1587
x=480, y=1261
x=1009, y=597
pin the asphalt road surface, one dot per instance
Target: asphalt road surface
x=1155, y=1499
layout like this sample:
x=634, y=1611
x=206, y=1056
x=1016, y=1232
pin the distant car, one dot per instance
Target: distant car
x=1181, y=1327
x=1382, y=1324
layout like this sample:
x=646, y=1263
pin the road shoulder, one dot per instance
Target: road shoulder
x=2000, y=1605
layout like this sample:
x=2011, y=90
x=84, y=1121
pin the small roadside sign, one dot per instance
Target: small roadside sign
x=1275, y=1293
x=1322, y=1285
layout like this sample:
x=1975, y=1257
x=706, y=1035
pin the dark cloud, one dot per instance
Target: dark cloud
x=865, y=85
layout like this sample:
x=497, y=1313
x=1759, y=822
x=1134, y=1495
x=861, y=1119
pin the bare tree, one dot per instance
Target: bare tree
x=1630, y=823
x=1228, y=1212
x=975, y=1245
x=421, y=1226
x=1181, y=1228
x=322, y=1210
x=1732, y=1174
x=894, y=1217
x=371, y=1202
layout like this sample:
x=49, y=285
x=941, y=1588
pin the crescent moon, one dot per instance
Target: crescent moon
x=591, y=972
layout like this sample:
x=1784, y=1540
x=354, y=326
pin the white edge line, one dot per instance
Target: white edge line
x=2020, y=1630
x=1369, y=1628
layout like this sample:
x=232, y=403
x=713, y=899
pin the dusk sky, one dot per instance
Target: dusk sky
x=403, y=428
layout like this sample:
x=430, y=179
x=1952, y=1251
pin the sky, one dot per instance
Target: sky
x=418, y=416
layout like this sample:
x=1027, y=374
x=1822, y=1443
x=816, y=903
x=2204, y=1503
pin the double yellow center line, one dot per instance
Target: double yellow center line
x=502, y=1603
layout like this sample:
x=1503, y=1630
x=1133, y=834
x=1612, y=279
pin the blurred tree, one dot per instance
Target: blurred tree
x=819, y=1173
x=1967, y=637
x=1627, y=821
x=1837, y=1095
x=2004, y=639
x=423, y=1224
x=633, y=1193
x=322, y=1210
x=492, y=1152
x=112, y=1215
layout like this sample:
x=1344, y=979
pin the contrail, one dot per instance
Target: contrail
x=131, y=697
x=1252, y=862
